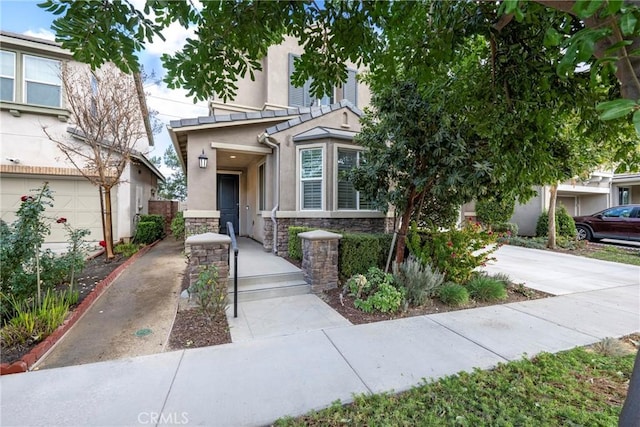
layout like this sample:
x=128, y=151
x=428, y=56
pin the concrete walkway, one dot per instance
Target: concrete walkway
x=143, y=299
x=255, y=382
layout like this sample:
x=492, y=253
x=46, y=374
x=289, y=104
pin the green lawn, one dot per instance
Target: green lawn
x=612, y=253
x=577, y=387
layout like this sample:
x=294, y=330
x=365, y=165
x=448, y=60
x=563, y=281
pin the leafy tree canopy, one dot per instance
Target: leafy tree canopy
x=230, y=44
x=175, y=185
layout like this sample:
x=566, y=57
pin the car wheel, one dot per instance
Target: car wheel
x=584, y=233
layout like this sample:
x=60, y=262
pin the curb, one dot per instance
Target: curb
x=29, y=359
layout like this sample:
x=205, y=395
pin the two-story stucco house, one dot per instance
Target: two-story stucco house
x=32, y=96
x=276, y=157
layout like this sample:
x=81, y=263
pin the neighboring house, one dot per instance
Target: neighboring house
x=580, y=197
x=31, y=96
x=276, y=157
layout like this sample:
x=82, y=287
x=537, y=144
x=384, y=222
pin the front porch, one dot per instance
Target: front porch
x=263, y=275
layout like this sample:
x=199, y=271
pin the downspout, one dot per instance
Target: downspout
x=264, y=138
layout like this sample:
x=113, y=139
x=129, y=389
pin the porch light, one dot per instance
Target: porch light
x=203, y=159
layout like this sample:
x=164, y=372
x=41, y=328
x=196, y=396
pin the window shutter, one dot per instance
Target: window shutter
x=296, y=94
x=350, y=89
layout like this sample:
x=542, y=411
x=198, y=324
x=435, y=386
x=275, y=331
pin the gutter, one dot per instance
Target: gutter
x=264, y=138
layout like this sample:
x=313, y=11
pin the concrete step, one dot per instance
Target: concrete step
x=269, y=286
x=266, y=279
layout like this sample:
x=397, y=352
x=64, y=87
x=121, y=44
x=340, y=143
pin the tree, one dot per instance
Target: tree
x=106, y=123
x=175, y=186
x=419, y=152
x=230, y=44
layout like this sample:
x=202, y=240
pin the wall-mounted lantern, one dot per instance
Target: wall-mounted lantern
x=203, y=159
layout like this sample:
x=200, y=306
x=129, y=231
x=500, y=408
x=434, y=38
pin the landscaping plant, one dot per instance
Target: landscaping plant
x=420, y=281
x=487, y=289
x=455, y=252
x=177, y=226
x=453, y=294
x=375, y=291
x=210, y=292
x=565, y=226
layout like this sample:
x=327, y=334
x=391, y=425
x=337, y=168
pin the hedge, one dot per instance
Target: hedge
x=147, y=232
x=358, y=251
x=158, y=219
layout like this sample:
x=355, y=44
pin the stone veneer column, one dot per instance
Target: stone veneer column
x=208, y=249
x=320, y=259
x=194, y=226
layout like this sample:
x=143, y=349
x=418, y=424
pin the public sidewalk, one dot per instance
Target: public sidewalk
x=255, y=382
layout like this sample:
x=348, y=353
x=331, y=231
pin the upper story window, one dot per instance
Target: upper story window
x=42, y=84
x=7, y=76
x=348, y=197
x=350, y=87
x=311, y=178
x=29, y=79
x=301, y=96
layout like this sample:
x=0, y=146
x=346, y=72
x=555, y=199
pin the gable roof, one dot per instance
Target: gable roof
x=324, y=132
x=303, y=114
x=310, y=113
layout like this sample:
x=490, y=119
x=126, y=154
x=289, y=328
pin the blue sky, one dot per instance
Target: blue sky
x=25, y=17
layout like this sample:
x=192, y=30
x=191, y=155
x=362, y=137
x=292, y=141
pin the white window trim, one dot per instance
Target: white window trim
x=299, y=178
x=360, y=150
x=25, y=80
x=264, y=165
x=14, y=77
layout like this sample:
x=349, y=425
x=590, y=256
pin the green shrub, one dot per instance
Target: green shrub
x=177, y=226
x=361, y=251
x=495, y=210
x=147, y=232
x=456, y=253
x=565, y=226
x=126, y=249
x=485, y=288
x=453, y=294
x=295, y=243
x=211, y=293
x=386, y=299
x=508, y=228
x=158, y=219
x=420, y=281
x=358, y=251
x=525, y=242
x=375, y=291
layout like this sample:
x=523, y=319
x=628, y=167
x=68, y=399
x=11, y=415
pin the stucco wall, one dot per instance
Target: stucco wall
x=527, y=215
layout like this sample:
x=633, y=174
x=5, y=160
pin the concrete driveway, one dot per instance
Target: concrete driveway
x=561, y=274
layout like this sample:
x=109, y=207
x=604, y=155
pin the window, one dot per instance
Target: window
x=623, y=195
x=311, y=174
x=348, y=197
x=262, y=189
x=350, y=87
x=42, y=85
x=7, y=76
x=301, y=96
x=617, y=212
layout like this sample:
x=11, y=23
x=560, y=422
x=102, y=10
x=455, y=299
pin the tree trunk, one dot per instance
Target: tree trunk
x=630, y=415
x=404, y=226
x=553, y=191
x=108, y=229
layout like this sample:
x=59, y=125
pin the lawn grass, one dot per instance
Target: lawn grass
x=576, y=387
x=612, y=253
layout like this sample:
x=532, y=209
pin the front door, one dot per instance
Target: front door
x=228, y=201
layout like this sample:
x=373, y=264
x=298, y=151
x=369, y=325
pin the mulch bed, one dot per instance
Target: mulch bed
x=193, y=329
x=346, y=308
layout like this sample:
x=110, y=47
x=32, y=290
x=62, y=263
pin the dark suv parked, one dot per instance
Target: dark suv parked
x=619, y=222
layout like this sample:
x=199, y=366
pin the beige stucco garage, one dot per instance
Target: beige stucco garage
x=75, y=198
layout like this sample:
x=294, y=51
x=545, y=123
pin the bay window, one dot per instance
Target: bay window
x=348, y=197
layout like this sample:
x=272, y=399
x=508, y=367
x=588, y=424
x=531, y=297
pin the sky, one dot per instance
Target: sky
x=25, y=17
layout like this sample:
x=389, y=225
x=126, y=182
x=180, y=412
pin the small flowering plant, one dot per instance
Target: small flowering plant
x=455, y=252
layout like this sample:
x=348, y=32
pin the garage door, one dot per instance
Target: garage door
x=74, y=198
x=569, y=202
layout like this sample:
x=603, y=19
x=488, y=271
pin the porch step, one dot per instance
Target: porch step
x=269, y=286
